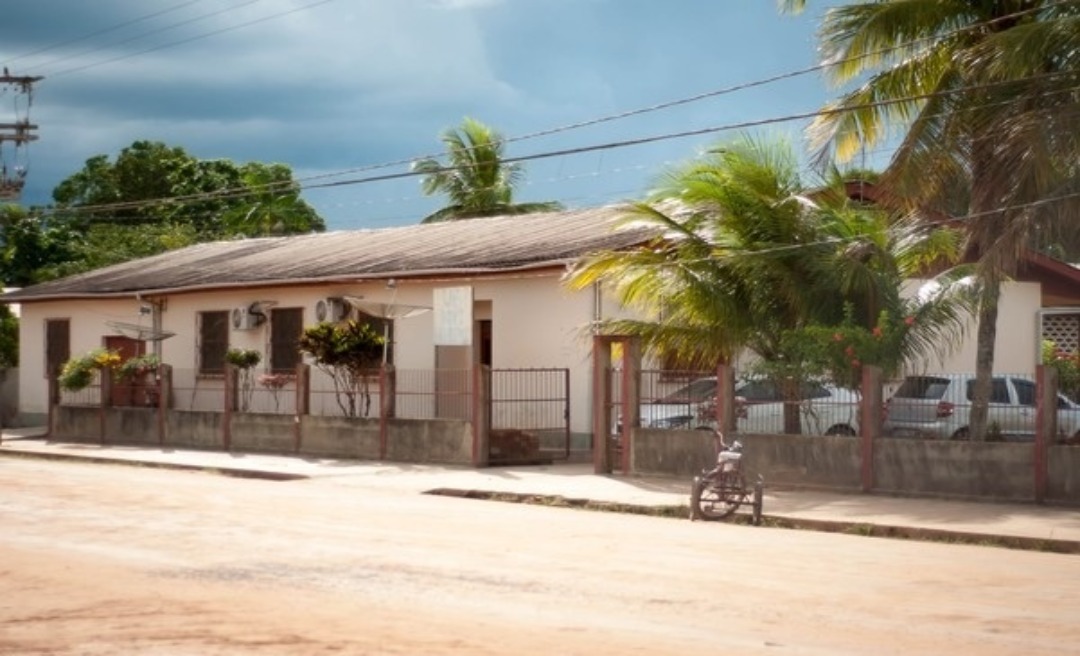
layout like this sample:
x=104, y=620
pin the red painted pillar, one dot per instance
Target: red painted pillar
x=601, y=404
x=869, y=424
x=230, y=402
x=1046, y=387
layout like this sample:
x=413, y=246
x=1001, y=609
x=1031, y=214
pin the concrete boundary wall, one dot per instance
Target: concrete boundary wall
x=964, y=470
x=440, y=441
x=988, y=470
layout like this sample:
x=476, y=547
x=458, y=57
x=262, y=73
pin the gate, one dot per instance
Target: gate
x=530, y=416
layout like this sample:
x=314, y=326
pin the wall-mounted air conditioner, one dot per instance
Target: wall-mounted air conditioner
x=332, y=309
x=243, y=318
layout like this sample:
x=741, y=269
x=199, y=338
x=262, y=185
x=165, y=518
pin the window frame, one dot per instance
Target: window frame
x=202, y=353
x=56, y=357
x=277, y=342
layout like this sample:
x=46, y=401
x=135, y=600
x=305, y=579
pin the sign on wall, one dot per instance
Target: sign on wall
x=453, y=316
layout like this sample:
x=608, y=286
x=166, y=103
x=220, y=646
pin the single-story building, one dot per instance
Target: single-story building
x=457, y=294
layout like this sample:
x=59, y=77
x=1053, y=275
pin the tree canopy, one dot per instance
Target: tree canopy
x=985, y=97
x=152, y=198
x=750, y=257
x=476, y=179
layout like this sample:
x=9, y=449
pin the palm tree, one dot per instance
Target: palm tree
x=986, y=95
x=746, y=255
x=476, y=180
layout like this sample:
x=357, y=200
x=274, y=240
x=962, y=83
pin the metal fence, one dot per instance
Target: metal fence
x=531, y=405
x=918, y=406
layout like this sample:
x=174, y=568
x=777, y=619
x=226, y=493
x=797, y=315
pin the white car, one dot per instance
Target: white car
x=939, y=407
x=823, y=410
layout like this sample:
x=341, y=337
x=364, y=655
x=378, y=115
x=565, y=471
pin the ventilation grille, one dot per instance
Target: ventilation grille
x=1063, y=330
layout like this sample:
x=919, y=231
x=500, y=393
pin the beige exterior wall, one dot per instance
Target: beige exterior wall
x=536, y=323
x=1016, y=345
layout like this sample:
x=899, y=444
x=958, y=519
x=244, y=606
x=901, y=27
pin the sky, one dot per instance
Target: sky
x=347, y=90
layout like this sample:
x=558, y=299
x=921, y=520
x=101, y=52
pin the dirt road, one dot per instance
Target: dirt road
x=100, y=559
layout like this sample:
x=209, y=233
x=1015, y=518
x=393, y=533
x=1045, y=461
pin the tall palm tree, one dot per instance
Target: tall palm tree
x=476, y=180
x=746, y=254
x=986, y=95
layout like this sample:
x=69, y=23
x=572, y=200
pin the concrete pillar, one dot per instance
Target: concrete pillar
x=631, y=400
x=387, y=405
x=230, y=405
x=1046, y=393
x=165, y=384
x=105, y=378
x=302, y=404
x=481, y=416
x=601, y=404
x=726, y=415
x=869, y=423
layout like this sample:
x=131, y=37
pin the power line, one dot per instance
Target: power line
x=271, y=186
x=113, y=28
x=241, y=192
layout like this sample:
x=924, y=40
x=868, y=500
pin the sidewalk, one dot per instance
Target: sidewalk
x=1010, y=524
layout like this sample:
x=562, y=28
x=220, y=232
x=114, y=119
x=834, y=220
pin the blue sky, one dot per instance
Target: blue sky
x=334, y=86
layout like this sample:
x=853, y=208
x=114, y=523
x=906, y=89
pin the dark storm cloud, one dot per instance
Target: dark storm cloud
x=354, y=83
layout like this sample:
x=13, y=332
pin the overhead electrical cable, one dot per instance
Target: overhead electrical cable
x=624, y=143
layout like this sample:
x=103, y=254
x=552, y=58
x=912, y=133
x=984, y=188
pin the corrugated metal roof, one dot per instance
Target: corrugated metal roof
x=469, y=246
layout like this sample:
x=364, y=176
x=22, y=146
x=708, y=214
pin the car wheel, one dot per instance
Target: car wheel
x=843, y=430
x=961, y=434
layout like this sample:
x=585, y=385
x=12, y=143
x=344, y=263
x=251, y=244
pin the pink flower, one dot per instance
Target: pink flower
x=909, y=321
x=878, y=332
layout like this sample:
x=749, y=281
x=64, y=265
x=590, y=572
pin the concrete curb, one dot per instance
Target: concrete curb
x=235, y=472
x=864, y=529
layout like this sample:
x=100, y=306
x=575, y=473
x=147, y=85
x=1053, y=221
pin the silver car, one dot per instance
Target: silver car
x=823, y=409
x=939, y=407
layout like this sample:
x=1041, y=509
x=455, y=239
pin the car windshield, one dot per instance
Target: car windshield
x=922, y=387
x=696, y=392
x=763, y=391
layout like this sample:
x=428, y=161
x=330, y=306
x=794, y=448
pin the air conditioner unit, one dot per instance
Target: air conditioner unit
x=331, y=309
x=244, y=319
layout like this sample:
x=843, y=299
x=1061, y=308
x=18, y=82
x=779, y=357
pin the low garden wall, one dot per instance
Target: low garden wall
x=444, y=441
x=966, y=470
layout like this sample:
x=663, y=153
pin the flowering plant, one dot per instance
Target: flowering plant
x=1067, y=366
x=134, y=367
x=273, y=381
x=78, y=373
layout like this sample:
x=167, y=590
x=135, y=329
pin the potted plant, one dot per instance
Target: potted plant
x=245, y=360
x=132, y=374
x=78, y=373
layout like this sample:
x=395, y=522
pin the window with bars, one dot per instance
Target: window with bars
x=57, y=345
x=213, y=342
x=286, y=326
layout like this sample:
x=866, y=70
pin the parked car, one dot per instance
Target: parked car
x=939, y=407
x=824, y=410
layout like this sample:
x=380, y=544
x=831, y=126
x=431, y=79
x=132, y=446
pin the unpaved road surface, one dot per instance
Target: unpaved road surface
x=102, y=559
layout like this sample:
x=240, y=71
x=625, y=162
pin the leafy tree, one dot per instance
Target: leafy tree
x=33, y=247
x=476, y=180
x=151, y=183
x=749, y=256
x=273, y=206
x=986, y=95
x=347, y=353
x=9, y=338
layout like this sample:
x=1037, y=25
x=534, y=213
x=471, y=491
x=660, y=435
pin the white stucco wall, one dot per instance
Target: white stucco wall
x=536, y=323
x=1016, y=345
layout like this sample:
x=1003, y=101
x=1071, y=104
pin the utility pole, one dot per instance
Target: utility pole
x=20, y=132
